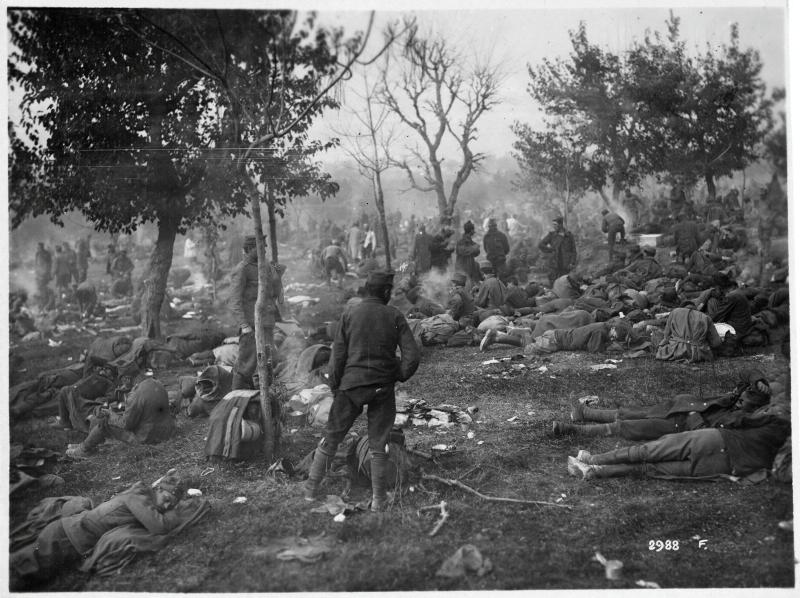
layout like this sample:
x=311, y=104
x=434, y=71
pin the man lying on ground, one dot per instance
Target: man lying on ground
x=746, y=445
x=66, y=540
x=592, y=337
x=684, y=412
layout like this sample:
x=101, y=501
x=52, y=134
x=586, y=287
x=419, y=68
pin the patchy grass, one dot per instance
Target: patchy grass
x=531, y=547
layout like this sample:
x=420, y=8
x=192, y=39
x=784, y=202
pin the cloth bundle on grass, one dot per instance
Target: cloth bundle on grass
x=307, y=371
x=211, y=385
x=227, y=436
x=38, y=397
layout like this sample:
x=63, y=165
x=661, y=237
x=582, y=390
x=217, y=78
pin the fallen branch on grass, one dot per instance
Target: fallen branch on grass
x=442, y=506
x=427, y=456
x=491, y=498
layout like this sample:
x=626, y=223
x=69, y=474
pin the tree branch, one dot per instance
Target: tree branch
x=474, y=492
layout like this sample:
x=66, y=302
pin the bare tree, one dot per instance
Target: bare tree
x=439, y=99
x=368, y=142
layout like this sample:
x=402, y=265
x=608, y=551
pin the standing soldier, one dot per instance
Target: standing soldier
x=421, y=251
x=354, y=242
x=370, y=241
x=633, y=205
x=72, y=261
x=62, y=274
x=334, y=262
x=121, y=271
x=612, y=224
x=84, y=255
x=44, y=274
x=496, y=246
x=244, y=292
x=364, y=369
x=559, y=245
x=466, y=252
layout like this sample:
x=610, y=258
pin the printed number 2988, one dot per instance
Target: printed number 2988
x=659, y=545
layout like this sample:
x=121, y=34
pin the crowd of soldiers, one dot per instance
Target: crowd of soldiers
x=67, y=268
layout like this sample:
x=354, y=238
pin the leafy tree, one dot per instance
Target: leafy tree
x=553, y=159
x=721, y=115
x=588, y=99
x=272, y=74
x=775, y=142
x=114, y=129
x=438, y=98
x=654, y=110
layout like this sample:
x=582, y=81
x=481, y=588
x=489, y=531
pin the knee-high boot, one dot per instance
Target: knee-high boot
x=585, y=430
x=620, y=469
x=629, y=454
x=378, y=461
x=581, y=413
x=316, y=472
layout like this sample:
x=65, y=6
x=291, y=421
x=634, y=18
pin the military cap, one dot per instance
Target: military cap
x=380, y=278
x=485, y=265
x=459, y=278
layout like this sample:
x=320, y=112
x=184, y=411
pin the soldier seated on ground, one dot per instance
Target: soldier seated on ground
x=143, y=415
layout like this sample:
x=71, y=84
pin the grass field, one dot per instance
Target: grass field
x=530, y=546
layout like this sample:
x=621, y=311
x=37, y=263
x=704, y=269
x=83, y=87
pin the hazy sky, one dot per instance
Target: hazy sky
x=517, y=37
x=516, y=34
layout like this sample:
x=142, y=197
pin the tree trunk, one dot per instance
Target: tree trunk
x=711, y=186
x=273, y=223
x=604, y=197
x=263, y=350
x=156, y=281
x=382, y=219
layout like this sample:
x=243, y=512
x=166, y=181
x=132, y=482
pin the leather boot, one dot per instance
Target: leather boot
x=315, y=473
x=560, y=429
x=630, y=454
x=582, y=413
x=378, y=461
x=620, y=469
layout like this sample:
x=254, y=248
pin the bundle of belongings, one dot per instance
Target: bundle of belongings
x=307, y=370
x=204, y=392
x=37, y=397
x=234, y=426
x=416, y=412
x=196, y=345
x=311, y=406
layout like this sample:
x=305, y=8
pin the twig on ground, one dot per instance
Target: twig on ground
x=491, y=498
x=444, y=514
x=427, y=456
x=469, y=471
